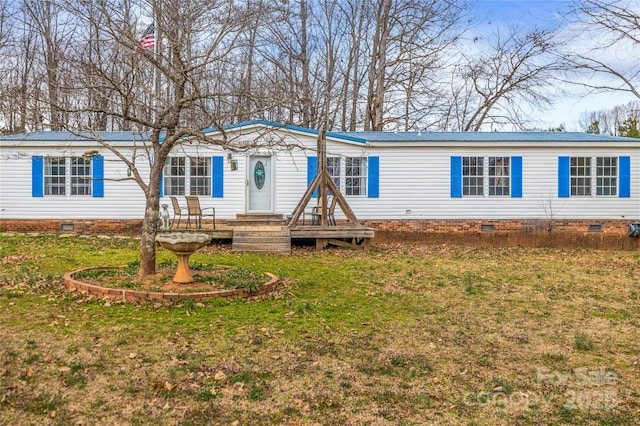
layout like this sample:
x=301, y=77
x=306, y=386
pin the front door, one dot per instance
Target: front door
x=260, y=185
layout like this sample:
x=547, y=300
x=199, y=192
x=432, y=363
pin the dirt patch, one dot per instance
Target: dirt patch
x=13, y=259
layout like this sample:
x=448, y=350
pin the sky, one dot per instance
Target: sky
x=525, y=13
x=548, y=14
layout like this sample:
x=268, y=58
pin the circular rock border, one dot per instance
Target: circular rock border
x=133, y=296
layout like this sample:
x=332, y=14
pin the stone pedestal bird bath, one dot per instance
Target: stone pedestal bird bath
x=183, y=244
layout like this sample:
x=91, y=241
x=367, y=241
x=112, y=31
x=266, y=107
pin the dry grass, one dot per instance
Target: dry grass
x=403, y=334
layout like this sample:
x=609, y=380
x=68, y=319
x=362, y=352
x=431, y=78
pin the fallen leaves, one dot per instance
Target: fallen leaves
x=220, y=377
x=165, y=385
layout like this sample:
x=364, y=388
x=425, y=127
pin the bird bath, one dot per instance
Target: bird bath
x=183, y=244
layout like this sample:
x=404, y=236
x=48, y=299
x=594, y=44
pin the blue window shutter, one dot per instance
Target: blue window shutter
x=37, y=176
x=624, y=170
x=516, y=176
x=564, y=178
x=312, y=171
x=456, y=176
x=217, y=174
x=98, y=176
x=374, y=177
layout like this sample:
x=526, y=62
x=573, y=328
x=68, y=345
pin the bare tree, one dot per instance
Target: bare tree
x=55, y=33
x=156, y=89
x=610, y=120
x=407, y=41
x=611, y=24
x=356, y=23
x=493, y=85
x=351, y=64
x=7, y=86
x=377, y=66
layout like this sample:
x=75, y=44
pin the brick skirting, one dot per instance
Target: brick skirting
x=509, y=232
x=591, y=233
x=80, y=226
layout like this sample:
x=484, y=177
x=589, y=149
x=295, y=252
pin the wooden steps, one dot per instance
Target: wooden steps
x=260, y=233
x=269, y=233
x=247, y=220
x=262, y=240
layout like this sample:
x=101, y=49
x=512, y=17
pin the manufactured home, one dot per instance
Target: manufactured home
x=419, y=184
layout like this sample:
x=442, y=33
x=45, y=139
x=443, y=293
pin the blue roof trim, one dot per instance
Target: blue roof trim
x=337, y=135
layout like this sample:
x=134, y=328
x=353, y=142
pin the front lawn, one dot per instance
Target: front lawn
x=401, y=334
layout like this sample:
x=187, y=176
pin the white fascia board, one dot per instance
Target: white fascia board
x=510, y=144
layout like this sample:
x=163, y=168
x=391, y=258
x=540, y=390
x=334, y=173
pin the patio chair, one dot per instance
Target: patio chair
x=177, y=211
x=332, y=208
x=194, y=209
x=313, y=213
x=316, y=213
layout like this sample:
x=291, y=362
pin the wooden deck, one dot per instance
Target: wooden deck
x=265, y=233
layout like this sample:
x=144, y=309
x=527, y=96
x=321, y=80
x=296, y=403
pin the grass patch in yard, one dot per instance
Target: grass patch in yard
x=206, y=276
x=401, y=334
x=583, y=342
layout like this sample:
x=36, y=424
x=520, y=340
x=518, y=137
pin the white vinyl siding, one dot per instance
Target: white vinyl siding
x=414, y=181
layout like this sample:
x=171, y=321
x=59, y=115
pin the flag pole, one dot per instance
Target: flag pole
x=154, y=91
x=155, y=80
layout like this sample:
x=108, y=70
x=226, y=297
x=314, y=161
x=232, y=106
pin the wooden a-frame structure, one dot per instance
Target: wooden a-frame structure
x=323, y=183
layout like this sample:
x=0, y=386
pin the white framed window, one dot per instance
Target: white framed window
x=67, y=176
x=472, y=176
x=80, y=176
x=607, y=176
x=355, y=176
x=174, y=176
x=200, y=175
x=333, y=167
x=499, y=176
x=187, y=176
x=580, y=175
x=55, y=175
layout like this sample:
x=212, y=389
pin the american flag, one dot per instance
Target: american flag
x=148, y=37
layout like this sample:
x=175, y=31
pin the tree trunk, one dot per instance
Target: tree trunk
x=148, y=237
x=304, y=59
x=377, y=68
x=150, y=221
x=378, y=104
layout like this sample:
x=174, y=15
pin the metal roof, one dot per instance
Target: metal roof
x=359, y=137
x=49, y=136
x=408, y=137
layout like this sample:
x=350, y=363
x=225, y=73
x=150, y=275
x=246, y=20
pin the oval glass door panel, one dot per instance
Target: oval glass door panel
x=259, y=175
x=259, y=185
